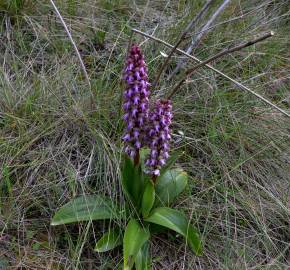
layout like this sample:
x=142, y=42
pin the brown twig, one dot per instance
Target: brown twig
x=181, y=38
x=199, y=36
x=83, y=67
x=225, y=52
x=167, y=60
x=195, y=59
x=72, y=41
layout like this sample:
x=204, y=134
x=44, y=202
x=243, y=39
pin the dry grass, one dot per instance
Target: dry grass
x=54, y=146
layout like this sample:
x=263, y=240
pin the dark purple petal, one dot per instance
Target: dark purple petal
x=136, y=133
x=156, y=172
x=134, y=112
x=127, y=137
x=126, y=105
x=162, y=162
x=137, y=75
x=165, y=155
x=151, y=132
x=130, y=125
x=136, y=88
x=137, y=145
x=143, y=106
x=136, y=100
x=130, y=79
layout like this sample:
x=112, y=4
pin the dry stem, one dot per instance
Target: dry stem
x=218, y=55
x=75, y=48
x=182, y=37
x=203, y=31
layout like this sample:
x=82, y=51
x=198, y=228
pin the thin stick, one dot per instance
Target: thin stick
x=225, y=52
x=73, y=43
x=201, y=34
x=195, y=59
x=167, y=60
x=182, y=37
x=218, y=24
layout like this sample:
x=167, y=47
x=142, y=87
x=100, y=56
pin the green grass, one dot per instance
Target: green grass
x=54, y=146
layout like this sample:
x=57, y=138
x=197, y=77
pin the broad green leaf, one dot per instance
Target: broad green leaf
x=148, y=198
x=132, y=181
x=176, y=221
x=134, y=238
x=169, y=186
x=170, y=162
x=85, y=208
x=109, y=240
x=143, y=260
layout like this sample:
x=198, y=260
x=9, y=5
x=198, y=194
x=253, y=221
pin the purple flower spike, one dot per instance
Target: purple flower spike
x=159, y=135
x=136, y=102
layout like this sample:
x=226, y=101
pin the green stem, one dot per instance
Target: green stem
x=137, y=159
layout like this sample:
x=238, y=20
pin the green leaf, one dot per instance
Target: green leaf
x=109, y=240
x=169, y=186
x=127, y=177
x=177, y=222
x=143, y=260
x=134, y=238
x=85, y=208
x=148, y=198
x=132, y=181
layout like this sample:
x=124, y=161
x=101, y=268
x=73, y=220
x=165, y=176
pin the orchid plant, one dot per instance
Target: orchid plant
x=149, y=179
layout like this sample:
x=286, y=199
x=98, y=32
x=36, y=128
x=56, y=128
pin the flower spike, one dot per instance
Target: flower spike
x=136, y=102
x=159, y=135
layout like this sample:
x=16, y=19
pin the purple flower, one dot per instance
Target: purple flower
x=158, y=135
x=136, y=101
